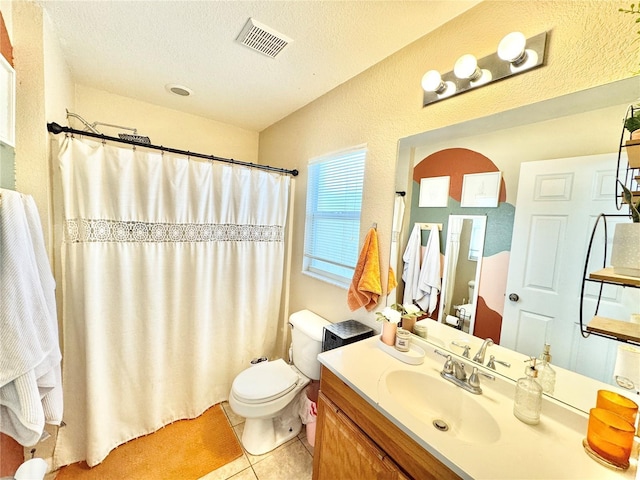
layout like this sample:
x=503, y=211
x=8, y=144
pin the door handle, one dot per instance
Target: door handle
x=514, y=297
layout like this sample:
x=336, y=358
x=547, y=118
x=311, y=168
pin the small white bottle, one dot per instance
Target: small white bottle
x=546, y=373
x=527, y=403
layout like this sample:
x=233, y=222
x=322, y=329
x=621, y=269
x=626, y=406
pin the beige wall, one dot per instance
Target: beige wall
x=164, y=126
x=589, y=44
x=46, y=89
x=32, y=166
x=7, y=15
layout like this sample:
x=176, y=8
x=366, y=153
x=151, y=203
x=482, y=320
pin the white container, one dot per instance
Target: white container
x=625, y=253
x=403, y=340
x=420, y=330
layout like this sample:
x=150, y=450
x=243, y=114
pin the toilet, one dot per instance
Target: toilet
x=265, y=394
x=465, y=311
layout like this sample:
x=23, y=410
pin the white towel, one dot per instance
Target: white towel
x=30, y=381
x=627, y=368
x=411, y=269
x=429, y=281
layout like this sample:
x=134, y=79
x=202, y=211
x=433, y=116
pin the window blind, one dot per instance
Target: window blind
x=334, y=202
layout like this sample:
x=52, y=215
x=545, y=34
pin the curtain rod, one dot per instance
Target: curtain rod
x=57, y=129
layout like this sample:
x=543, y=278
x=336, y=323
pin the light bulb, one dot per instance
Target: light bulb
x=466, y=67
x=432, y=82
x=512, y=48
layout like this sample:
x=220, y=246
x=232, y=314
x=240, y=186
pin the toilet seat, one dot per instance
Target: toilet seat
x=264, y=382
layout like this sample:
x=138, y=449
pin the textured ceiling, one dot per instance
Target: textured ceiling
x=135, y=48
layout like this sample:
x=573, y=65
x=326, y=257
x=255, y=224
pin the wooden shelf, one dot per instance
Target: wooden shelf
x=607, y=275
x=625, y=331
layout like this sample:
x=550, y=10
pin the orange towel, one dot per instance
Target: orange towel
x=391, y=282
x=365, y=288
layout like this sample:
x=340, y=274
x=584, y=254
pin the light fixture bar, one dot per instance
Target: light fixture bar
x=493, y=64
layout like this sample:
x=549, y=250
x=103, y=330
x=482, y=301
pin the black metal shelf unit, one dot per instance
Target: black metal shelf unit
x=618, y=330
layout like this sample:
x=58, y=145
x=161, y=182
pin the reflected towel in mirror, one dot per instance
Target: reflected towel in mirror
x=429, y=281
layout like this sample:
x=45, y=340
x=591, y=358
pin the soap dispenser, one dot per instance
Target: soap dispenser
x=528, y=399
x=546, y=373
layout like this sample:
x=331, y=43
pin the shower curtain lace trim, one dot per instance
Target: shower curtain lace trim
x=91, y=230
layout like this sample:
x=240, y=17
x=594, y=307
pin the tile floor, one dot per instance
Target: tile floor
x=291, y=461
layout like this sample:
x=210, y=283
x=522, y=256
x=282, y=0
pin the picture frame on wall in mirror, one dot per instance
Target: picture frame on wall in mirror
x=7, y=103
x=434, y=191
x=481, y=189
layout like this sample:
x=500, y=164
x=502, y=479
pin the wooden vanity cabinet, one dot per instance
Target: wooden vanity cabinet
x=356, y=442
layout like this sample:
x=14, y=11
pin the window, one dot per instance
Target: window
x=334, y=201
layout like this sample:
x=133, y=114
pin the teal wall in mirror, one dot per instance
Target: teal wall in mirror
x=456, y=163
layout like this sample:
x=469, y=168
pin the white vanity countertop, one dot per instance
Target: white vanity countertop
x=550, y=450
x=576, y=390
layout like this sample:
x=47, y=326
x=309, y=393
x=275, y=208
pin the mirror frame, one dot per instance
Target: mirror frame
x=447, y=273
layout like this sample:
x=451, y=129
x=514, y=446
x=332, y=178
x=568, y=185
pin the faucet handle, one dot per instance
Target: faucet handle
x=466, y=347
x=474, y=379
x=492, y=362
x=448, y=364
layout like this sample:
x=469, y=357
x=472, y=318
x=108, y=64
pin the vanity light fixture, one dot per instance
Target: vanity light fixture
x=516, y=54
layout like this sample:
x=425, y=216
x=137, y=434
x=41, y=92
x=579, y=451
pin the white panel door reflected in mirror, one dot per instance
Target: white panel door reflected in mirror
x=462, y=265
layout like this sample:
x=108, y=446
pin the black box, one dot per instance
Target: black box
x=343, y=333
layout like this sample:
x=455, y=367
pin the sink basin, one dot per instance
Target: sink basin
x=433, y=400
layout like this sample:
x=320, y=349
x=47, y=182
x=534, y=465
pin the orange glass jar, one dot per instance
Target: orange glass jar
x=616, y=403
x=610, y=436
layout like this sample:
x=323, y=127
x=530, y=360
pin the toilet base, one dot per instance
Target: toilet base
x=261, y=435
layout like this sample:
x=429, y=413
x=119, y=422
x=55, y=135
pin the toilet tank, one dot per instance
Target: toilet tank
x=306, y=341
x=472, y=286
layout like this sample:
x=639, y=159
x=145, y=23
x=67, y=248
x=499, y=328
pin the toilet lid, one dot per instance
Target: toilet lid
x=264, y=381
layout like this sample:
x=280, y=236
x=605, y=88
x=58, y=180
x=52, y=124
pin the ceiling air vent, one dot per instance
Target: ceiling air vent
x=263, y=39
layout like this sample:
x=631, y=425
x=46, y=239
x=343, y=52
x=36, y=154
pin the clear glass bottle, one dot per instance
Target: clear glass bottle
x=527, y=403
x=546, y=373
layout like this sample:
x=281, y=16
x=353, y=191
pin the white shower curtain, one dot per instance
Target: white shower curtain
x=451, y=261
x=172, y=278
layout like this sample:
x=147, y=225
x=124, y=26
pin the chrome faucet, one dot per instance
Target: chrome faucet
x=479, y=357
x=454, y=371
x=458, y=370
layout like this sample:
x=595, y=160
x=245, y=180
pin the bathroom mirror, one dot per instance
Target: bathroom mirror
x=7, y=113
x=461, y=272
x=541, y=131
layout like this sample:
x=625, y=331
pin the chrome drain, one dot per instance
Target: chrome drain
x=440, y=425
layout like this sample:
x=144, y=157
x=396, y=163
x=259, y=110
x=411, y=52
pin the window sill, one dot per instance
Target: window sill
x=330, y=281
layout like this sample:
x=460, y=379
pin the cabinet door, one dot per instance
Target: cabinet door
x=345, y=452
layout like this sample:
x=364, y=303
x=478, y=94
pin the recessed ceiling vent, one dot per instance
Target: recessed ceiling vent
x=263, y=39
